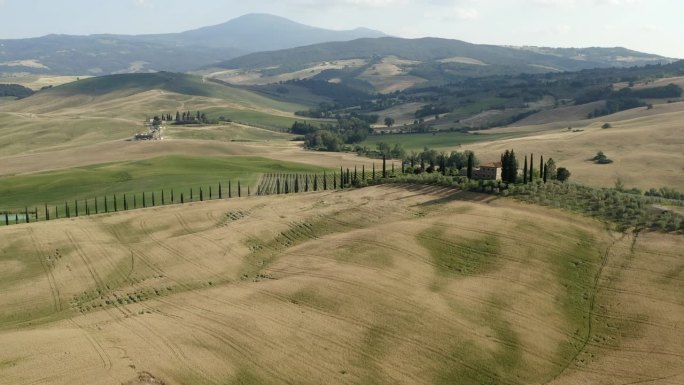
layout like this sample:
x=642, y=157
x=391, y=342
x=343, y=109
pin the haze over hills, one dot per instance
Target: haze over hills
x=432, y=60
x=286, y=41
x=179, y=52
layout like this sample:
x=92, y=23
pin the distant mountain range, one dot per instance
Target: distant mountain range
x=389, y=64
x=270, y=45
x=446, y=51
x=178, y=52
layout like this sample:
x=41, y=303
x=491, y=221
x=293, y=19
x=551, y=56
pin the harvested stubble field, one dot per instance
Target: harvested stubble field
x=399, y=284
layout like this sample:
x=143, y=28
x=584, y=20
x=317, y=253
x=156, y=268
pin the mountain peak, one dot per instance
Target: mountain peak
x=266, y=32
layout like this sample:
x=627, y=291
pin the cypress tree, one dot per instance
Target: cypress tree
x=278, y=186
x=541, y=166
x=6, y=219
x=392, y=168
x=315, y=183
x=471, y=164
x=325, y=181
x=384, y=166
x=531, y=167
x=347, y=181
x=26, y=216
x=513, y=167
x=239, y=190
x=287, y=185
x=373, y=171
x=211, y=195
x=296, y=184
x=546, y=172
x=191, y=194
x=75, y=208
x=525, y=171
x=125, y=203
x=220, y=193
x=355, y=174
x=87, y=208
x=334, y=181
x=47, y=213
x=96, y=208
x=248, y=191
x=16, y=218
x=154, y=202
x=201, y=195
x=230, y=193
x=306, y=185
x=56, y=213
x=172, y=196
x=163, y=200
x=106, y=207
x=115, y=206
x=66, y=210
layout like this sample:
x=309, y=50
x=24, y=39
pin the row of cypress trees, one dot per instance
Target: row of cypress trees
x=509, y=168
x=123, y=202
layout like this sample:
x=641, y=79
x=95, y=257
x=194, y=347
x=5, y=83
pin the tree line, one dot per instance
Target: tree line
x=124, y=202
x=15, y=90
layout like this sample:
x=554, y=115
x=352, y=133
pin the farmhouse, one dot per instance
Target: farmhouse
x=490, y=171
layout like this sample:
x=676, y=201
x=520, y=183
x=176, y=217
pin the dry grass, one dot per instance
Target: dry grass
x=337, y=287
x=36, y=82
x=645, y=145
x=256, y=77
x=392, y=74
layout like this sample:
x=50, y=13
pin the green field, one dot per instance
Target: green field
x=225, y=133
x=253, y=118
x=433, y=140
x=169, y=172
x=172, y=82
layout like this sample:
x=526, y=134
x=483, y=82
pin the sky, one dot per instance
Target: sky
x=652, y=26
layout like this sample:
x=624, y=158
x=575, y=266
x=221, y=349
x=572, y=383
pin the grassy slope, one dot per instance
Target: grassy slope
x=440, y=140
x=645, y=146
x=108, y=108
x=170, y=172
x=353, y=287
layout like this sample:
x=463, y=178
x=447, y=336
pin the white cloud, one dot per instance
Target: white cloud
x=143, y=3
x=466, y=13
x=354, y=3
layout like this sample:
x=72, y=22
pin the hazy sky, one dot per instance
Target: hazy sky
x=653, y=26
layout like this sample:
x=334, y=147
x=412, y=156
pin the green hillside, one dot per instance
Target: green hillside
x=168, y=172
x=497, y=59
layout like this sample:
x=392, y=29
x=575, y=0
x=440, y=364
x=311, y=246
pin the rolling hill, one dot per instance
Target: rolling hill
x=382, y=285
x=178, y=52
x=429, y=60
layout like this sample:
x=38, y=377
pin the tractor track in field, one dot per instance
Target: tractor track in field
x=52, y=282
x=399, y=298
x=592, y=303
x=175, y=252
